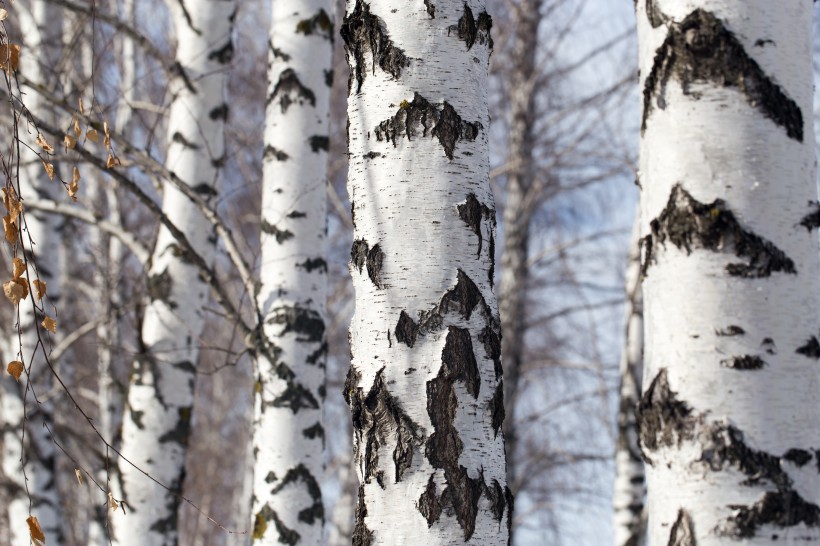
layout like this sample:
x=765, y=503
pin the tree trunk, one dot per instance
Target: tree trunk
x=424, y=386
x=517, y=216
x=289, y=389
x=630, y=488
x=728, y=418
x=40, y=26
x=158, y=416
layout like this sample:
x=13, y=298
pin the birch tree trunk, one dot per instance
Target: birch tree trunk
x=36, y=485
x=288, y=434
x=630, y=489
x=728, y=418
x=424, y=387
x=158, y=416
x=517, y=217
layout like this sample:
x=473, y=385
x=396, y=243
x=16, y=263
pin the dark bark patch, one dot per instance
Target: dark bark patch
x=688, y=223
x=406, y=330
x=205, y=189
x=328, y=77
x=308, y=324
x=295, y=397
x=301, y=474
x=497, y=408
x=375, y=260
x=781, y=509
x=429, y=504
x=363, y=32
x=219, y=113
x=683, y=530
x=800, y=457
x=313, y=264
x=260, y=526
x=458, y=360
x=654, y=14
x=491, y=253
x=700, y=49
x=182, y=429
x=812, y=220
x=277, y=53
x=159, y=287
x=281, y=235
x=289, y=90
x=371, y=155
x=179, y=138
x=315, y=431
x=490, y=337
x=422, y=118
x=319, y=143
x=811, y=349
x=473, y=212
x=744, y=362
x=663, y=419
x=358, y=253
x=223, y=55
x=318, y=356
x=377, y=417
x=270, y=151
x=768, y=345
x=731, y=330
x=296, y=214
x=472, y=30
x=362, y=536
x=320, y=25
x=431, y=9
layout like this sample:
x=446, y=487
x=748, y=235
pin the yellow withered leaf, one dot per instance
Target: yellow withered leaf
x=15, y=290
x=112, y=161
x=69, y=142
x=35, y=531
x=49, y=170
x=3, y=15
x=18, y=267
x=50, y=324
x=15, y=369
x=74, y=185
x=77, y=131
x=92, y=135
x=79, y=476
x=82, y=108
x=107, y=140
x=39, y=288
x=10, y=228
x=111, y=502
x=9, y=55
x=43, y=143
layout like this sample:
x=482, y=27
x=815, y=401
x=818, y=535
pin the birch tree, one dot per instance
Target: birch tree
x=629, y=489
x=158, y=416
x=728, y=418
x=289, y=391
x=424, y=386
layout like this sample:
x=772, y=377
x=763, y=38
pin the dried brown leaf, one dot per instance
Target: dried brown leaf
x=49, y=170
x=92, y=135
x=112, y=504
x=112, y=161
x=43, y=143
x=39, y=288
x=3, y=15
x=107, y=140
x=69, y=142
x=79, y=475
x=35, y=531
x=10, y=228
x=77, y=131
x=15, y=291
x=9, y=55
x=18, y=267
x=50, y=324
x=15, y=369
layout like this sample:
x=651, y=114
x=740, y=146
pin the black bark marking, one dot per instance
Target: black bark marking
x=781, y=509
x=683, y=530
x=362, y=536
x=491, y=253
x=458, y=360
x=362, y=32
x=377, y=417
x=406, y=330
x=490, y=337
x=473, y=212
x=300, y=473
x=205, y=190
x=497, y=408
x=308, y=324
x=800, y=457
x=811, y=349
x=358, y=254
x=375, y=260
x=219, y=113
x=315, y=431
x=281, y=235
x=743, y=362
x=296, y=214
x=317, y=356
x=654, y=14
x=313, y=264
x=289, y=90
x=472, y=30
x=702, y=49
x=371, y=155
x=278, y=53
x=768, y=345
x=731, y=330
x=663, y=420
x=178, y=70
x=431, y=9
x=223, y=55
x=328, y=77
x=182, y=429
x=429, y=504
x=319, y=143
x=159, y=287
x=320, y=24
x=812, y=220
x=688, y=223
x=179, y=138
x=270, y=151
x=295, y=397
x=421, y=116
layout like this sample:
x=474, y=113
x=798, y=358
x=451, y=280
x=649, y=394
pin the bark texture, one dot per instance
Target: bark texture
x=424, y=386
x=158, y=415
x=730, y=405
x=289, y=390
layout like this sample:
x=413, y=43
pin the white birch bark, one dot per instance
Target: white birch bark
x=424, y=386
x=629, y=488
x=158, y=415
x=730, y=406
x=39, y=24
x=288, y=434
